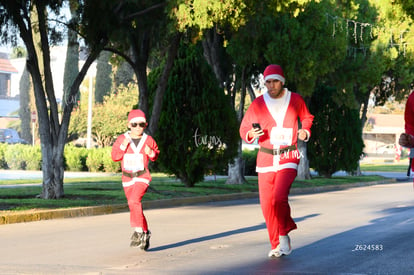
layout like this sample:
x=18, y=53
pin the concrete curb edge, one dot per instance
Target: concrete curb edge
x=10, y=217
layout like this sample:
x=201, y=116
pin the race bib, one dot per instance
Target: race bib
x=134, y=162
x=281, y=136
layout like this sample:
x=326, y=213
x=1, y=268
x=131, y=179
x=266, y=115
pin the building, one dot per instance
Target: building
x=9, y=102
x=6, y=71
x=382, y=132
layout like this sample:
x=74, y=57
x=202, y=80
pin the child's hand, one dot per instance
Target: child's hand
x=126, y=141
x=149, y=151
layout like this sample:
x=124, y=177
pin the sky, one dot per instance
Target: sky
x=5, y=49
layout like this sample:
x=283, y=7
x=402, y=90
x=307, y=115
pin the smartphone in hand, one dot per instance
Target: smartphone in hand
x=256, y=126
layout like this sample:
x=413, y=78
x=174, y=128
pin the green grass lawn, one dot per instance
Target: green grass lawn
x=95, y=191
x=384, y=167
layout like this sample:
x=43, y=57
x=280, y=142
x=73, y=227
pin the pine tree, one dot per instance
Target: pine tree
x=336, y=143
x=198, y=129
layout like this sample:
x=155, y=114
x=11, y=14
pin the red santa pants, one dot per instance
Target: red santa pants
x=273, y=192
x=134, y=194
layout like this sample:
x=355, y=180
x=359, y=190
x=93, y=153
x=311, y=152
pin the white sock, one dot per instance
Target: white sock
x=284, y=242
x=139, y=230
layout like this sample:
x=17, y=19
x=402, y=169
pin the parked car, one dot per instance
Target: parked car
x=11, y=136
x=386, y=149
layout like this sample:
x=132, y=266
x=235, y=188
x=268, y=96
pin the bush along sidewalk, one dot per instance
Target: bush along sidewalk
x=27, y=157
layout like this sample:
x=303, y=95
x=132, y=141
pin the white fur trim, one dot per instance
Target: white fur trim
x=276, y=168
x=138, y=119
x=134, y=180
x=275, y=76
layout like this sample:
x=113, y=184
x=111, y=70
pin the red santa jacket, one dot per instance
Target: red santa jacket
x=134, y=159
x=279, y=122
x=409, y=119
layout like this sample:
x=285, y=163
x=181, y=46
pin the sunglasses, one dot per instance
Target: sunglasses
x=141, y=124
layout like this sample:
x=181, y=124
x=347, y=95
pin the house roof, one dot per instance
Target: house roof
x=5, y=65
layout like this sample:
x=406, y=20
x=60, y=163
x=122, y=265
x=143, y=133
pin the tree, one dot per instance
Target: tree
x=198, y=128
x=395, y=43
x=124, y=75
x=72, y=54
x=103, y=82
x=336, y=142
x=206, y=20
x=24, y=110
x=109, y=119
x=408, y=6
x=15, y=17
x=143, y=27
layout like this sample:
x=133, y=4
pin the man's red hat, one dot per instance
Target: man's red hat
x=274, y=72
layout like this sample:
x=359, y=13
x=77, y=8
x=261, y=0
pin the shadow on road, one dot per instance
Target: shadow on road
x=383, y=247
x=210, y=237
x=223, y=234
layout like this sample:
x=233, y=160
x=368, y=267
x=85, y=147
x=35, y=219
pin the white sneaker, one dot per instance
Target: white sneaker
x=278, y=252
x=274, y=253
x=285, y=247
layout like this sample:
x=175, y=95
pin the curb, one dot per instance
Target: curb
x=10, y=217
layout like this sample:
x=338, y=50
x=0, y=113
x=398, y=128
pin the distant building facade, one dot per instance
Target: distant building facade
x=6, y=72
x=382, y=130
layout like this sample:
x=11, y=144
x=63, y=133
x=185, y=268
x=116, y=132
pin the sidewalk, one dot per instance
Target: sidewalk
x=9, y=217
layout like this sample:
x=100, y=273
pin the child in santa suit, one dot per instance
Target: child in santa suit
x=134, y=149
x=273, y=119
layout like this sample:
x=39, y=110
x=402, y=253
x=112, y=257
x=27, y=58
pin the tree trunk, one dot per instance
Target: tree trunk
x=140, y=51
x=53, y=174
x=33, y=31
x=162, y=84
x=236, y=170
x=52, y=161
x=212, y=44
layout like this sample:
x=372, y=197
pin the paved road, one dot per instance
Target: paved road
x=365, y=230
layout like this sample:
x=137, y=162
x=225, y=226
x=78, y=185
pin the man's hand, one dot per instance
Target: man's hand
x=302, y=134
x=254, y=133
x=405, y=140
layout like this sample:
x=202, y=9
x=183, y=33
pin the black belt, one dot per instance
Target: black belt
x=133, y=174
x=277, y=151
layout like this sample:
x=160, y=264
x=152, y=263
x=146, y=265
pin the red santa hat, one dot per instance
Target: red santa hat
x=136, y=115
x=274, y=72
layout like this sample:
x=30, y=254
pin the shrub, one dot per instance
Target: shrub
x=15, y=157
x=32, y=157
x=3, y=163
x=75, y=158
x=249, y=158
x=108, y=163
x=94, y=161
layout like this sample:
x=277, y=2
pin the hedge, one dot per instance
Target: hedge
x=27, y=157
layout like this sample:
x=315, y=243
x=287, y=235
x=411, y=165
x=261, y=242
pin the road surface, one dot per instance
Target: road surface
x=364, y=230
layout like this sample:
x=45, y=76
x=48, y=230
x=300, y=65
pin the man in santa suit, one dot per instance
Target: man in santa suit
x=273, y=119
x=407, y=138
x=134, y=149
